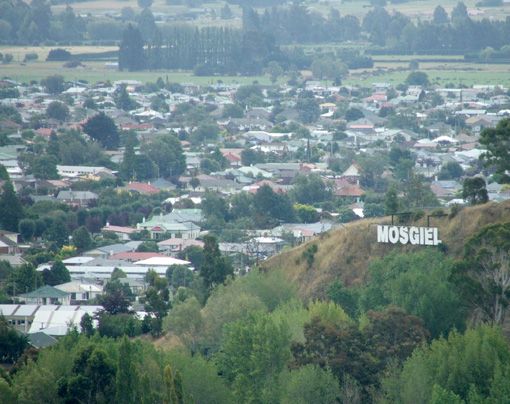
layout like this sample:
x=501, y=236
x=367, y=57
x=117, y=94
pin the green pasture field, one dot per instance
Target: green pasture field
x=96, y=71
x=159, y=8
x=415, y=9
x=19, y=52
x=440, y=77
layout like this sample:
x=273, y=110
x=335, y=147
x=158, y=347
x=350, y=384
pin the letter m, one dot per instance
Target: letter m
x=382, y=234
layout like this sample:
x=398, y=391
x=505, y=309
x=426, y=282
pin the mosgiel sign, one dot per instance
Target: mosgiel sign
x=408, y=235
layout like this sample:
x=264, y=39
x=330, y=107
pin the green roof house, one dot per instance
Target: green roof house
x=46, y=295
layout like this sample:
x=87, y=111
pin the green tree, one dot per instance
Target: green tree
x=474, y=191
x=166, y=152
x=127, y=167
x=6, y=391
x=252, y=356
x=131, y=53
x=57, y=232
x=451, y=171
x=418, y=78
x=496, y=141
x=23, y=280
x=126, y=378
x=417, y=193
x=92, y=378
x=309, y=384
x=12, y=343
x=215, y=269
x=391, y=202
x=483, y=276
x=274, y=70
x=57, y=110
x=194, y=182
x=11, y=208
x=346, y=298
x=26, y=228
x=420, y=284
x=309, y=189
x=353, y=114
x=306, y=213
x=57, y=274
x=102, y=128
x=440, y=16
x=123, y=100
x=443, y=396
x=186, y=321
x=87, y=325
x=116, y=297
x=44, y=167
x=4, y=175
x=232, y=111
x=459, y=13
x=54, y=84
x=271, y=207
x=307, y=107
x=464, y=365
x=81, y=239
x=342, y=349
x=144, y=3
x=250, y=157
x=205, y=132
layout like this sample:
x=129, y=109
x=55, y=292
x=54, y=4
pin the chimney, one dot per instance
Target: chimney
x=143, y=221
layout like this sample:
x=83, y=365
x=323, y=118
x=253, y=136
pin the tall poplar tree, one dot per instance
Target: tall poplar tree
x=131, y=54
x=11, y=208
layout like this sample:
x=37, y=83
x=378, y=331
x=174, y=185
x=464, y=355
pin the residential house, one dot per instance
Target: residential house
x=80, y=291
x=9, y=242
x=122, y=232
x=445, y=189
x=134, y=256
x=46, y=295
x=180, y=223
x=343, y=188
x=77, y=198
x=352, y=174
x=142, y=188
x=84, y=171
x=176, y=245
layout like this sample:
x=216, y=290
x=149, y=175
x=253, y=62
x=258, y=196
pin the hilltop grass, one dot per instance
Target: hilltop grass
x=345, y=253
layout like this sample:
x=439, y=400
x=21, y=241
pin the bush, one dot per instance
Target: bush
x=454, y=210
x=7, y=58
x=31, y=57
x=117, y=325
x=59, y=55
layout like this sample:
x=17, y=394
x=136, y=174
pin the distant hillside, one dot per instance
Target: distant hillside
x=346, y=252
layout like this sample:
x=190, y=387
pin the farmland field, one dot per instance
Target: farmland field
x=441, y=69
x=96, y=71
x=440, y=77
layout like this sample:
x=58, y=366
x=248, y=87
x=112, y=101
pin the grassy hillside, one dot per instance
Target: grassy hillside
x=346, y=252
